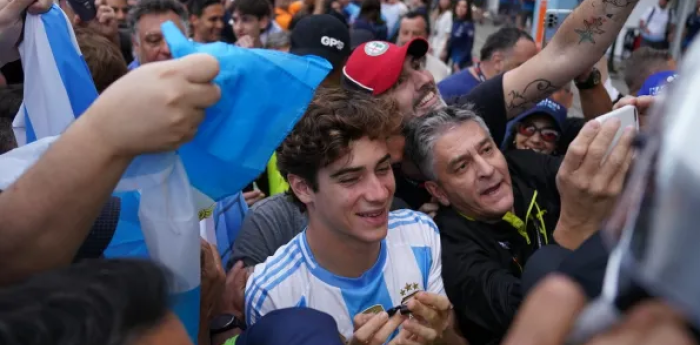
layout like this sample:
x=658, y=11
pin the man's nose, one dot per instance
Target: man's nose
x=484, y=168
x=376, y=191
x=164, y=49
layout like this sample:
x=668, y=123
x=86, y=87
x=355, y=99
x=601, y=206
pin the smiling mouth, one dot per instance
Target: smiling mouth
x=427, y=99
x=371, y=214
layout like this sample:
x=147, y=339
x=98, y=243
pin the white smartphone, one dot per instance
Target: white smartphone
x=627, y=115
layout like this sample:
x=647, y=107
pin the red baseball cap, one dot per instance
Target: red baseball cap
x=376, y=66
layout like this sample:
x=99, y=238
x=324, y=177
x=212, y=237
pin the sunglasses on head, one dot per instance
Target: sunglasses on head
x=547, y=134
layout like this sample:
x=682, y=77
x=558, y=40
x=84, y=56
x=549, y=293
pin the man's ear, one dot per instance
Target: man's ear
x=301, y=189
x=194, y=20
x=264, y=22
x=497, y=60
x=438, y=192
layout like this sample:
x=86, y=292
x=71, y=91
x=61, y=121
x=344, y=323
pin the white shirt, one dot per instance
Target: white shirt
x=409, y=261
x=436, y=67
x=442, y=27
x=392, y=13
x=656, y=23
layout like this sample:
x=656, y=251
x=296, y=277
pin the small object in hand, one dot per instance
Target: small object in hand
x=403, y=309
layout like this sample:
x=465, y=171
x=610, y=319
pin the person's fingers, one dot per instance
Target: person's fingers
x=644, y=104
x=366, y=333
x=423, y=311
x=438, y=302
x=617, y=159
x=388, y=329
x=198, y=68
x=624, y=101
x=599, y=147
x=562, y=299
x=39, y=6
x=13, y=10
x=202, y=96
x=650, y=323
x=405, y=337
x=360, y=319
x=421, y=331
x=579, y=147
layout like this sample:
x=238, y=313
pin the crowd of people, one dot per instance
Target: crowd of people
x=425, y=196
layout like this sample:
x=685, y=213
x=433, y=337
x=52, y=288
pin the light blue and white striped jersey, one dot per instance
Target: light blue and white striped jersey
x=409, y=261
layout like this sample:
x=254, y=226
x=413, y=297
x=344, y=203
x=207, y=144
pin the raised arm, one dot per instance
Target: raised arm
x=47, y=213
x=579, y=43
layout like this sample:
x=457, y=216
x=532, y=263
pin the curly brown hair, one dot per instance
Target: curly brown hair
x=332, y=121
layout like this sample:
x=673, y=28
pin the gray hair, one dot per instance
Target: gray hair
x=144, y=7
x=278, y=40
x=422, y=133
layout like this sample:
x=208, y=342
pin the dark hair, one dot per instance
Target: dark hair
x=643, y=63
x=503, y=39
x=469, y=16
x=333, y=120
x=415, y=14
x=144, y=7
x=10, y=101
x=104, y=59
x=257, y=8
x=371, y=11
x=196, y=7
x=93, y=302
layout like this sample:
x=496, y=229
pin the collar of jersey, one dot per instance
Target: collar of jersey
x=374, y=273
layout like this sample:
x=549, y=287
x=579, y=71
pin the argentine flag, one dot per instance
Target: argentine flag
x=264, y=93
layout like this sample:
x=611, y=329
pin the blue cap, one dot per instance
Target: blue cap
x=554, y=110
x=656, y=82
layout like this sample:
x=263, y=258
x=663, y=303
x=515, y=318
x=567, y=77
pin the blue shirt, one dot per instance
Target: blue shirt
x=458, y=84
x=461, y=41
x=409, y=261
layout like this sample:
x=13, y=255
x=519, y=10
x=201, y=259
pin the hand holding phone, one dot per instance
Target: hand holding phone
x=628, y=117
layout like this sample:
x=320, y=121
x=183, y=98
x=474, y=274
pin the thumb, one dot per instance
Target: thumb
x=13, y=10
x=198, y=68
x=563, y=301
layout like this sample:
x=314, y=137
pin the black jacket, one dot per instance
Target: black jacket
x=482, y=262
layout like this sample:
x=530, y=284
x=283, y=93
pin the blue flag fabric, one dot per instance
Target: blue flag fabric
x=264, y=93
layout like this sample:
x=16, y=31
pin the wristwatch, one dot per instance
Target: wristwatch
x=592, y=81
x=225, y=322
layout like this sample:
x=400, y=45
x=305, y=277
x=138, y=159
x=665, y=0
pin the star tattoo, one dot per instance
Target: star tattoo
x=591, y=27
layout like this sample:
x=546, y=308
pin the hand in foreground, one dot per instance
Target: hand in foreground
x=11, y=24
x=548, y=315
x=253, y=196
x=589, y=185
x=212, y=287
x=234, y=294
x=375, y=329
x=155, y=108
x=431, y=317
x=642, y=103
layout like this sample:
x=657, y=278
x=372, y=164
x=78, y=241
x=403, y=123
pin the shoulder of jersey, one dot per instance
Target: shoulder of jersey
x=409, y=218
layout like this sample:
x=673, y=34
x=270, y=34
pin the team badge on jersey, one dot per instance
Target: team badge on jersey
x=408, y=291
x=375, y=309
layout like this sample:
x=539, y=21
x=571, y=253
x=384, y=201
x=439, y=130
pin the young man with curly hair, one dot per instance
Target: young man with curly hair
x=356, y=260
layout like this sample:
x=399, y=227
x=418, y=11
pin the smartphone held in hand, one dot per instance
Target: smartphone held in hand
x=628, y=117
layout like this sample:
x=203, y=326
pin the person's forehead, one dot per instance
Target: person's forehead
x=417, y=22
x=361, y=153
x=458, y=139
x=117, y=3
x=155, y=19
x=213, y=9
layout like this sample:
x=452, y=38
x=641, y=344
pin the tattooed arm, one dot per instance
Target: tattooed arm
x=579, y=43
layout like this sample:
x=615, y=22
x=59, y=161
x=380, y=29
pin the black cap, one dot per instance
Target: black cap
x=322, y=35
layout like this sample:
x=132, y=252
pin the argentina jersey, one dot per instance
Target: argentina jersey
x=409, y=261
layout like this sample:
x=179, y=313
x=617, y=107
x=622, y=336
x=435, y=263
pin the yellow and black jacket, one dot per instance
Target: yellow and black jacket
x=482, y=262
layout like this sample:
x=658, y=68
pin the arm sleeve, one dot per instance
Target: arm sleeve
x=488, y=101
x=481, y=291
x=268, y=225
x=258, y=301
